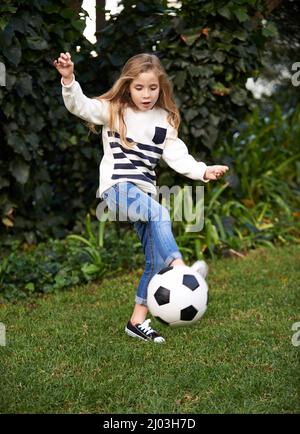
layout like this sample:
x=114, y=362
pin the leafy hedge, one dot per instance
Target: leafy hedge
x=48, y=165
x=57, y=265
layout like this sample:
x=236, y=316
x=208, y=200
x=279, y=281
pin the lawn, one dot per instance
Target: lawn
x=67, y=352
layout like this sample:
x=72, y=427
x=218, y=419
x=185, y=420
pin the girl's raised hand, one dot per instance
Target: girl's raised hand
x=65, y=66
x=215, y=172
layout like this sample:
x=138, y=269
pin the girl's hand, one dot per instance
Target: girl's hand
x=215, y=172
x=65, y=67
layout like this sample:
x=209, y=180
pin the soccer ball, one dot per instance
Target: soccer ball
x=178, y=295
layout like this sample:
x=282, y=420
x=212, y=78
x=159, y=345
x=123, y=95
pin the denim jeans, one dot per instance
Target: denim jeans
x=152, y=224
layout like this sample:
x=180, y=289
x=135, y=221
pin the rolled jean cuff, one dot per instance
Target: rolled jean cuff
x=140, y=300
x=170, y=258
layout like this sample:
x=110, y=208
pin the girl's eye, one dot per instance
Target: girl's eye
x=139, y=88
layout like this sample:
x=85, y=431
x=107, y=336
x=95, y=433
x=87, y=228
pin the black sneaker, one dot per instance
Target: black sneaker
x=143, y=331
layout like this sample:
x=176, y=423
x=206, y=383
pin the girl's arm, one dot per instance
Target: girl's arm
x=176, y=155
x=89, y=109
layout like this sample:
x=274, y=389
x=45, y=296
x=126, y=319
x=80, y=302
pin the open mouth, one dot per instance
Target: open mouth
x=146, y=104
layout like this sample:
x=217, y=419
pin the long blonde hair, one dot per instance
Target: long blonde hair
x=119, y=95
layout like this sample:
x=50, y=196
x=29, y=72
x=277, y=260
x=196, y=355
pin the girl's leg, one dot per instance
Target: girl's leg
x=130, y=203
x=153, y=225
x=158, y=242
x=139, y=314
x=153, y=264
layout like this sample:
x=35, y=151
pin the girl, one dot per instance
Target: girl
x=140, y=123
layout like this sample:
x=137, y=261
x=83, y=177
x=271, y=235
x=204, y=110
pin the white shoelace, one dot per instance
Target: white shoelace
x=145, y=327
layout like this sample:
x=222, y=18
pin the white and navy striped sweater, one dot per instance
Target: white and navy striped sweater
x=150, y=130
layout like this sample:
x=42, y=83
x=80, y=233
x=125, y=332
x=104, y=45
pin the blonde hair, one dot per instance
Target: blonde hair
x=119, y=95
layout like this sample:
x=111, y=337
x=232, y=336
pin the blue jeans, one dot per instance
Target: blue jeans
x=152, y=224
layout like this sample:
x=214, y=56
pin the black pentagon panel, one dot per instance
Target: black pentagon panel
x=164, y=270
x=188, y=313
x=190, y=281
x=162, y=296
x=162, y=320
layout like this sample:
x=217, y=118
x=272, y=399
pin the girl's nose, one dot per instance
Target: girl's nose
x=146, y=93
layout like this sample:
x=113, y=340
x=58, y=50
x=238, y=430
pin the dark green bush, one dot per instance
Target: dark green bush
x=48, y=164
x=46, y=268
x=57, y=265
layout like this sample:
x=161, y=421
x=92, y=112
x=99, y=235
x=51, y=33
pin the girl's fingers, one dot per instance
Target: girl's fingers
x=63, y=63
x=65, y=60
x=63, y=57
x=215, y=172
x=219, y=173
x=56, y=63
x=221, y=170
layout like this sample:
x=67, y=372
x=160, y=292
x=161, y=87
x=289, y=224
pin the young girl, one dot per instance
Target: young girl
x=140, y=123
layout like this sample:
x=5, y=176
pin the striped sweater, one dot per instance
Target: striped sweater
x=154, y=138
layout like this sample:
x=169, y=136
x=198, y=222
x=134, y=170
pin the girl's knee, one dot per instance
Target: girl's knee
x=161, y=214
x=153, y=266
x=158, y=266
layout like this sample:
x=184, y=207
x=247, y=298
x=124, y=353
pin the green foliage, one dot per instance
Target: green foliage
x=93, y=247
x=57, y=265
x=46, y=156
x=282, y=52
x=47, y=268
x=106, y=255
x=259, y=204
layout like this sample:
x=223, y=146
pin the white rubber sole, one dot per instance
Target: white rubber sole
x=133, y=335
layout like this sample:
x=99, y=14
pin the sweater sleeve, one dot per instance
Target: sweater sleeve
x=176, y=155
x=89, y=109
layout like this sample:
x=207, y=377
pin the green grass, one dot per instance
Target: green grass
x=67, y=352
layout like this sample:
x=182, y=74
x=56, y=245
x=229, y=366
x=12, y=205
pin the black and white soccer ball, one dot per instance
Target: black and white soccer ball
x=178, y=296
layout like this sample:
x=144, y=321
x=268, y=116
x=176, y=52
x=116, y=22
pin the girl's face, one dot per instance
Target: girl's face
x=144, y=90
